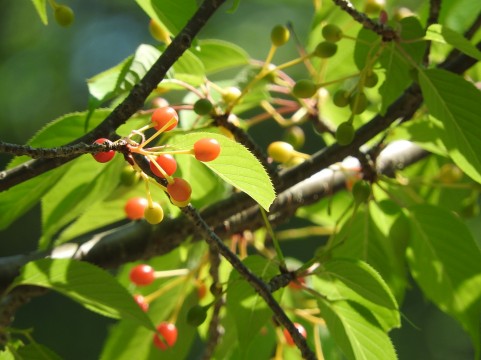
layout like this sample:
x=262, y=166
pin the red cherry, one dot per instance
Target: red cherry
x=105, y=156
x=201, y=290
x=179, y=190
x=161, y=116
x=166, y=162
x=298, y=283
x=206, y=149
x=288, y=337
x=142, y=275
x=139, y=299
x=135, y=207
x=166, y=336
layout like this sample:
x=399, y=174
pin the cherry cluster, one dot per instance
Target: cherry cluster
x=162, y=164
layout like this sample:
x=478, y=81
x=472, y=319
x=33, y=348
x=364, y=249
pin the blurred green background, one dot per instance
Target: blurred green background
x=43, y=71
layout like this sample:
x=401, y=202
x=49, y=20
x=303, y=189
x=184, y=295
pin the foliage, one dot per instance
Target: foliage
x=409, y=227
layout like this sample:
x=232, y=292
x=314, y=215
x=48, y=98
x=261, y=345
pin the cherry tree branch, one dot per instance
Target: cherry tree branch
x=132, y=103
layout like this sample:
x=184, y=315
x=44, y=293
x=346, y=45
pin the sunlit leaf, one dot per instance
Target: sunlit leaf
x=217, y=55
x=41, y=7
x=85, y=283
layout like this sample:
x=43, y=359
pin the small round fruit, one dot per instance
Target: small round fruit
x=288, y=337
x=298, y=283
x=196, y=315
x=280, y=151
x=135, y=207
x=206, y=149
x=450, y=174
x=129, y=176
x=139, y=299
x=231, y=94
x=179, y=190
x=325, y=49
x=371, y=80
x=279, y=35
x=341, y=98
x=166, y=162
x=202, y=107
x=64, y=15
x=158, y=32
x=154, y=214
x=166, y=336
x=358, y=103
x=332, y=33
x=162, y=116
x=374, y=6
x=304, y=88
x=142, y=275
x=105, y=156
x=295, y=136
x=361, y=191
x=345, y=133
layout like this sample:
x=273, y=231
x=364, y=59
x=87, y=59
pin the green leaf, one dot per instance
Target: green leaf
x=188, y=68
x=445, y=261
x=173, y=14
x=36, y=351
x=398, y=59
x=87, y=284
x=19, y=199
x=217, y=55
x=85, y=183
x=124, y=76
x=41, y=7
x=365, y=239
x=235, y=165
x=458, y=112
x=445, y=35
x=249, y=309
x=355, y=331
x=349, y=279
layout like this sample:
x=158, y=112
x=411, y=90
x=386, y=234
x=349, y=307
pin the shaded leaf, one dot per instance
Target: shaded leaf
x=87, y=284
x=445, y=261
x=458, y=112
x=35, y=351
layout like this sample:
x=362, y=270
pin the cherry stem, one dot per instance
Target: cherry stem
x=170, y=273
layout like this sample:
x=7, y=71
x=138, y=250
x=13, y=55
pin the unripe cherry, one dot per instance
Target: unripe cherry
x=279, y=35
x=280, y=151
x=64, y=15
x=345, y=133
x=304, y=88
x=332, y=33
x=154, y=214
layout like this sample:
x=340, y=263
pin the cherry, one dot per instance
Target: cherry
x=142, y=274
x=450, y=174
x=304, y=88
x=332, y=33
x=135, y=207
x=202, y=107
x=166, y=335
x=206, y=149
x=345, y=133
x=341, y=98
x=295, y=136
x=166, y=162
x=197, y=315
x=361, y=191
x=374, y=6
x=371, y=80
x=231, y=94
x=288, y=337
x=139, y=299
x=298, y=283
x=105, y=156
x=279, y=35
x=179, y=190
x=325, y=49
x=129, y=176
x=158, y=32
x=358, y=103
x=161, y=116
x=154, y=214
x=64, y=15
x=280, y=151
